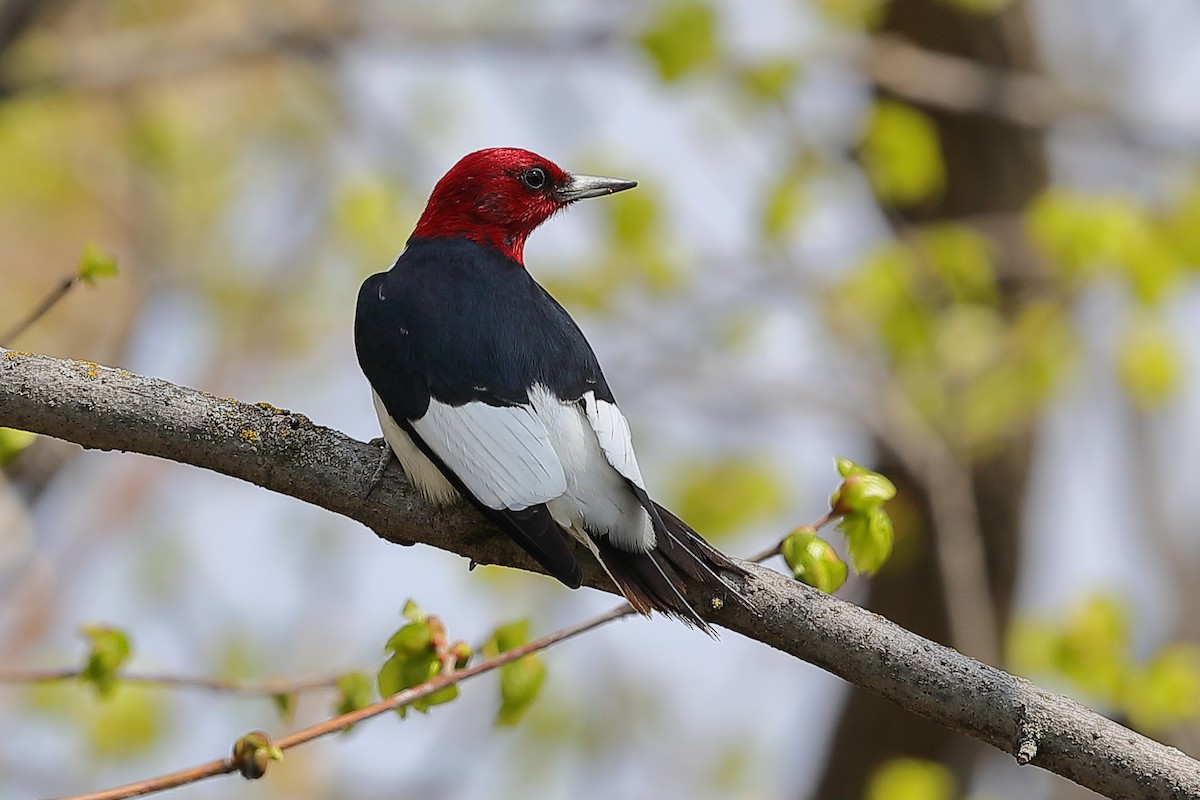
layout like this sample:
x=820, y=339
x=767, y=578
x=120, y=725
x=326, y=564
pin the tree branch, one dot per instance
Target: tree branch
x=967, y=86
x=448, y=677
x=110, y=409
x=271, y=686
x=60, y=290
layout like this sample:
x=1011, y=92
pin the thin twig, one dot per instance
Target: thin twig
x=333, y=725
x=267, y=687
x=441, y=681
x=775, y=549
x=61, y=290
x=171, y=780
x=447, y=677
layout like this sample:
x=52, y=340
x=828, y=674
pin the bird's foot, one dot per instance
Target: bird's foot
x=385, y=458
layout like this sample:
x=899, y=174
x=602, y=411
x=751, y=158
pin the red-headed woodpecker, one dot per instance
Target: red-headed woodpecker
x=486, y=389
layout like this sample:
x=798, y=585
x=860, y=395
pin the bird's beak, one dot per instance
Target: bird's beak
x=579, y=187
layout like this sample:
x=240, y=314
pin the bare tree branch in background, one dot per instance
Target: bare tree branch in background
x=110, y=62
x=270, y=686
x=965, y=86
x=60, y=290
x=110, y=409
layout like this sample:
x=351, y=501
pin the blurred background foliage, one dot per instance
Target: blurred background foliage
x=956, y=240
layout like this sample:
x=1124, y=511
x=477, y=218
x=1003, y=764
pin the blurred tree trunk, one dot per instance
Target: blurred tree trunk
x=992, y=167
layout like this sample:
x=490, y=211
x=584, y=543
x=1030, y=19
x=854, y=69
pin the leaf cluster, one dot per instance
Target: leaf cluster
x=857, y=504
x=419, y=651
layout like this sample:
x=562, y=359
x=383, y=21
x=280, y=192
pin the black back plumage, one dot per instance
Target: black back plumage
x=427, y=329
x=459, y=322
x=462, y=311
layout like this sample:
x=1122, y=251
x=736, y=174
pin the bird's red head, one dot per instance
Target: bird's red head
x=497, y=197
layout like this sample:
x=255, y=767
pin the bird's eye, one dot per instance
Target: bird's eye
x=534, y=178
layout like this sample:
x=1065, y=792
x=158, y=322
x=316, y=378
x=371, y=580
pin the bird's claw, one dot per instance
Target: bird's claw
x=385, y=458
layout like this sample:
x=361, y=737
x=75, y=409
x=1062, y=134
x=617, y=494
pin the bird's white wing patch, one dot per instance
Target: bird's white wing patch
x=613, y=432
x=501, y=453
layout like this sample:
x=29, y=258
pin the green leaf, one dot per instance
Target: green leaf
x=412, y=612
x=402, y=672
x=506, y=637
x=1090, y=647
x=681, y=39
x=40, y=142
x=910, y=779
x=1031, y=647
x=110, y=649
x=634, y=219
x=130, y=722
x=1180, y=224
x=12, y=442
x=1068, y=229
x=437, y=698
x=1093, y=647
x=724, y=496
x=786, y=199
x=413, y=639
x=870, y=537
x=95, y=264
x=902, y=155
x=857, y=14
x=520, y=683
x=862, y=493
x=285, y=705
x=391, y=677
x=354, y=692
x=884, y=297
x=416, y=657
x=1085, y=235
x=814, y=561
x=771, y=80
x=419, y=669
x=861, y=490
x=1166, y=692
x=363, y=217
x=846, y=467
x=520, y=680
x=962, y=258
x=1149, y=363
x=969, y=339
x=1034, y=356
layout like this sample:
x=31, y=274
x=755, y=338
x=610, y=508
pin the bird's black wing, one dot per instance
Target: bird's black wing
x=433, y=340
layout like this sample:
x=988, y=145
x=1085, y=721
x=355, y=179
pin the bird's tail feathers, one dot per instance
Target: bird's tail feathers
x=659, y=580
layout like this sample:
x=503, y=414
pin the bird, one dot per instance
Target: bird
x=487, y=390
